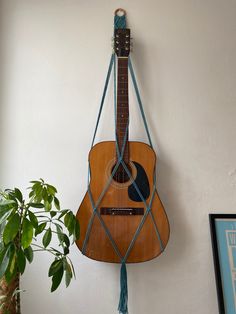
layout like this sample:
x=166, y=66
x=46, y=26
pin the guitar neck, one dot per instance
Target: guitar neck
x=122, y=110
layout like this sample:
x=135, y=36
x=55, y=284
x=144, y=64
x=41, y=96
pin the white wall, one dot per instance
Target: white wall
x=54, y=56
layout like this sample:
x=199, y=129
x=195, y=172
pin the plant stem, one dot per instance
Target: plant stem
x=18, y=303
x=44, y=249
x=10, y=304
x=16, y=298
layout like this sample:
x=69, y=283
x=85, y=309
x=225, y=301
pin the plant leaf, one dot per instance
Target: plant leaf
x=27, y=233
x=62, y=213
x=58, y=226
x=31, y=193
x=45, y=194
x=68, y=218
x=11, y=270
x=4, y=214
x=36, y=205
x=66, y=250
x=36, y=185
x=76, y=229
x=33, y=219
x=66, y=240
x=53, y=213
x=59, y=233
x=38, y=189
x=40, y=228
x=69, y=274
x=56, y=279
x=50, y=198
x=71, y=227
x=18, y=195
x=29, y=254
x=51, y=189
x=11, y=229
x=7, y=207
x=56, y=202
x=47, y=237
x=21, y=260
x=69, y=221
x=72, y=267
x=55, y=266
x=47, y=206
x=34, y=181
x=11, y=195
x=4, y=260
x=6, y=203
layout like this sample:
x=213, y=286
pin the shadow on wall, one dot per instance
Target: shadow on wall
x=180, y=233
x=167, y=176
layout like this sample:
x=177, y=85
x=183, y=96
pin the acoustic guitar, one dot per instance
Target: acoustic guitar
x=130, y=191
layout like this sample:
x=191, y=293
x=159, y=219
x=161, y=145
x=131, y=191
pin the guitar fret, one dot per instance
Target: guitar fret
x=122, y=107
x=123, y=122
x=122, y=112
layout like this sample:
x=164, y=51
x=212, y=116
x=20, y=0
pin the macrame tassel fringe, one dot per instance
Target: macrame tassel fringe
x=123, y=304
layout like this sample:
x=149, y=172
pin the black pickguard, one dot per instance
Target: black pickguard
x=142, y=183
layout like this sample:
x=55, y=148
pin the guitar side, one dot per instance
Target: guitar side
x=122, y=228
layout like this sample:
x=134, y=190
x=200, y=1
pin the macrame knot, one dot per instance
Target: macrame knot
x=119, y=21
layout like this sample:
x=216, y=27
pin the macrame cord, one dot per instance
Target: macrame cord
x=120, y=22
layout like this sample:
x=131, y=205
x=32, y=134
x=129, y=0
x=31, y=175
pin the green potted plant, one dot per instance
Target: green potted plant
x=28, y=226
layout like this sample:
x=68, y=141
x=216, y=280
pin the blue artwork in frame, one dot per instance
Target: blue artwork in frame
x=223, y=233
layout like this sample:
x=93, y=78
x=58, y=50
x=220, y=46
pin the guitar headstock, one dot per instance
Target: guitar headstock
x=122, y=42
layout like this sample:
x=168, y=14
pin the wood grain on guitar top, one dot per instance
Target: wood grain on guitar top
x=122, y=227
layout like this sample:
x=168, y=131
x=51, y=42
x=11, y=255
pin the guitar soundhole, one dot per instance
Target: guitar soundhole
x=121, y=175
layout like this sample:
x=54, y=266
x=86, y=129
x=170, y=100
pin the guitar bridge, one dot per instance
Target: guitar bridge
x=120, y=211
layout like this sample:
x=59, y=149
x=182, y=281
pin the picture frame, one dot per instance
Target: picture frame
x=223, y=238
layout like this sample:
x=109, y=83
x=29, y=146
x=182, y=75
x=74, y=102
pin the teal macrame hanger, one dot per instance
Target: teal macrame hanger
x=120, y=22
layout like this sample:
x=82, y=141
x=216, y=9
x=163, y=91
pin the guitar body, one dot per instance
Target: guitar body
x=121, y=216
x=122, y=224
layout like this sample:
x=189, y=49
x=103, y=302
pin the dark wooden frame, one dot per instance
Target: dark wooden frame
x=215, y=251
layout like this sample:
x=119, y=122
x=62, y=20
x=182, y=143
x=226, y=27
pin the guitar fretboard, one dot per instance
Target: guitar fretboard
x=122, y=111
